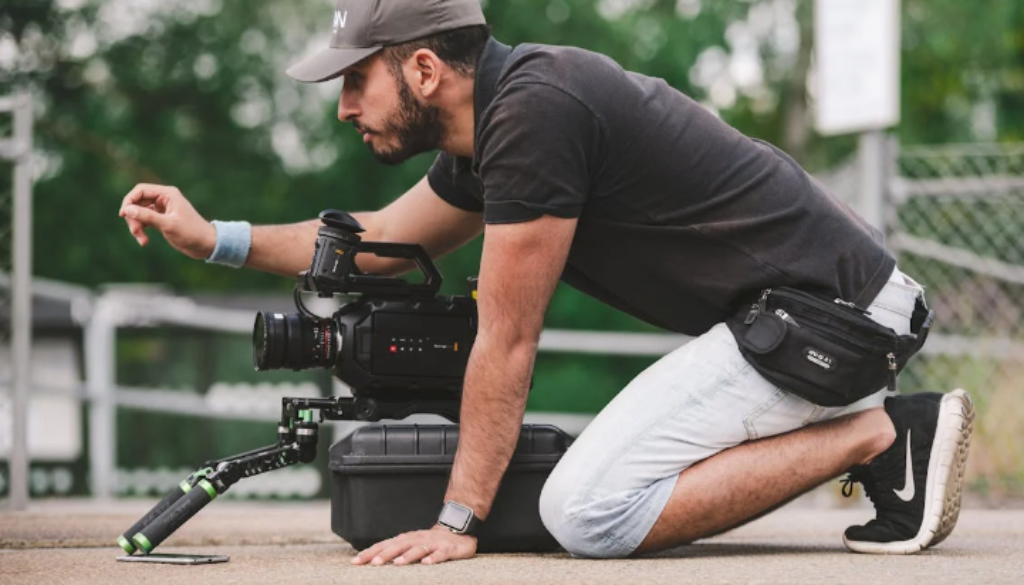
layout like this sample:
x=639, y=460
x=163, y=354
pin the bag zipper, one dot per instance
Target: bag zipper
x=758, y=307
x=892, y=370
x=817, y=305
x=816, y=301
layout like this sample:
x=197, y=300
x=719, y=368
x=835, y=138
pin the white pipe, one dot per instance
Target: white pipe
x=21, y=300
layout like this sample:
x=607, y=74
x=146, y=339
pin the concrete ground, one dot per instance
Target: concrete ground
x=283, y=544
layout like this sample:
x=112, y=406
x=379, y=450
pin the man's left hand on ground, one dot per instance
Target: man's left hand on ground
x=429, y=547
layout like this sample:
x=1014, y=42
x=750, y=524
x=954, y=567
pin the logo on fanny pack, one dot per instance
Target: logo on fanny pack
x=819, y=358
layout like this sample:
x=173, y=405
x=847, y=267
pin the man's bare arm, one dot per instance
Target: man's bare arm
x=520, y=266
x=418, y=216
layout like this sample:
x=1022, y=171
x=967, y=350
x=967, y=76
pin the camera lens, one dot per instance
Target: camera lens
x=293, y=341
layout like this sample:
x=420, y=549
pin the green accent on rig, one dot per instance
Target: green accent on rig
x=208, y=487
x=306, y=415
x=186, y=484
x=125, y=545
x=143, y=543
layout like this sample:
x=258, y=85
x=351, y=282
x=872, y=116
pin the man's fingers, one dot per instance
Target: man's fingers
x=437, y=556
x=145, y=216
x=367, y=554
x=133, y=226
x=133, y=197
x=415, y=553
x=145, y=194
x=137, y=232
x=389, y=553
x=425, y=546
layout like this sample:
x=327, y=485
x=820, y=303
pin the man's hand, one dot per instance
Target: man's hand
x=166, y=209
x=429, y=547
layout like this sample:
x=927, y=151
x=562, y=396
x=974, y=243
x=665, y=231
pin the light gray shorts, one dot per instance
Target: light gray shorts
x=612, y=485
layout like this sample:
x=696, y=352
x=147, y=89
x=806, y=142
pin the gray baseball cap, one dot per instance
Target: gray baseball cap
x=363, y=27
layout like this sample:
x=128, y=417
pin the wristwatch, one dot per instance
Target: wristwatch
x=459, y=519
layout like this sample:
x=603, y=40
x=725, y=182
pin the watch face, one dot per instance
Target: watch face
x=455, y=516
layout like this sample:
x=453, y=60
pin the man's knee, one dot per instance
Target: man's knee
x=588, y=526
x=568, y=524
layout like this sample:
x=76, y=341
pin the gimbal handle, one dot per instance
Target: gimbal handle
x=200, y=488
x=297, y=443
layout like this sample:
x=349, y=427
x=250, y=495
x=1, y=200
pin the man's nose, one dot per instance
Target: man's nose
x=347, y=106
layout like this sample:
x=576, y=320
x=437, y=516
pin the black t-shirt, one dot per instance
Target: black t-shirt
x=681, y=217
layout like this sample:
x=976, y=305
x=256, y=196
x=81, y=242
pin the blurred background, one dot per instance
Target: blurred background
x=140, y=363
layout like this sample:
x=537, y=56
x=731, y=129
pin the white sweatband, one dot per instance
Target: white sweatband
x=234, y=238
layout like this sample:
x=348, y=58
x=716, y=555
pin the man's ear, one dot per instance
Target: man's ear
x=426, y=72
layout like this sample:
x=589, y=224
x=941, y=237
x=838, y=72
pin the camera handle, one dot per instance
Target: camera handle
x=390, y=285
x=332, y=270
x=373, y=284
x=297, y=437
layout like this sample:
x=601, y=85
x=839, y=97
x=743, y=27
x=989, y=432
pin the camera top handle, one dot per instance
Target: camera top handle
x=333, y=269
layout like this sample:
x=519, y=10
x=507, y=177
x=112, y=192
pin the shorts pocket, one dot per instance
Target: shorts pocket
x=781, y=413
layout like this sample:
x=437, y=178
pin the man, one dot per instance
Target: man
x=574, y=169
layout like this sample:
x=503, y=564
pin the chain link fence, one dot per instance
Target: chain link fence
x=955, y=217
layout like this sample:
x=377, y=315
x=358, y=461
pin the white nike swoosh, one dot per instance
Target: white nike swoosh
x=907, y=493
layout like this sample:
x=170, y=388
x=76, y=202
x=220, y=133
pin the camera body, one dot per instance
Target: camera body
x=396, y=340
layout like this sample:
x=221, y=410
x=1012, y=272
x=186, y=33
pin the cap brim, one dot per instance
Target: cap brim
x=328, y=64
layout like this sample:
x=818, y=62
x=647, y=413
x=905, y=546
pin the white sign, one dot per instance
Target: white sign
x=857, y=58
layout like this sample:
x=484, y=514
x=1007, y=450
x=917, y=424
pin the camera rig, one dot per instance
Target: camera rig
x=399, y=346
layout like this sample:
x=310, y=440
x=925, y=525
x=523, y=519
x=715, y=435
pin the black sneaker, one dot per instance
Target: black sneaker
x=915, y=485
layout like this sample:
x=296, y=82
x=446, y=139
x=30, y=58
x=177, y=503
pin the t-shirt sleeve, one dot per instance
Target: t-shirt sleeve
x=441, y=177
x=538, y=153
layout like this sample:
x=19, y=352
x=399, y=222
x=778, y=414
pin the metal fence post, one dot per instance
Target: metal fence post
x=21, y=298
x=873, y=164
x=100, y=337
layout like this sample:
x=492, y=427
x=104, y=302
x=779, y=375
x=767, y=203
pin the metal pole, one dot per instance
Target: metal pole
x=873, y=166
x=21, y=299
x=99, y=380
x=891, y=200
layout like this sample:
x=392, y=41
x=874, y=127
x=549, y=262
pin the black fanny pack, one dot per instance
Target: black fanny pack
x=827, y=351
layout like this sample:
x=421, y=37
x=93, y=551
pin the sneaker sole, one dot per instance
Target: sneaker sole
x=944, y=486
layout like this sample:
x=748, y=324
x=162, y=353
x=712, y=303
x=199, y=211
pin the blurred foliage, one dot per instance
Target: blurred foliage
x=192, y=93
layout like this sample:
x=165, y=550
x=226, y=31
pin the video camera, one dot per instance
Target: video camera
x=399, y=346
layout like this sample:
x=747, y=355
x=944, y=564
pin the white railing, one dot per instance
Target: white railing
x=116, y=308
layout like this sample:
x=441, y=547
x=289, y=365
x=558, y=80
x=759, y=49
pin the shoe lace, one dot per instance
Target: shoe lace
x=882, y=500
x=862, y=476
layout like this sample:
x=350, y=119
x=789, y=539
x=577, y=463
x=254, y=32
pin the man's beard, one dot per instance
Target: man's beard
x=416, y=127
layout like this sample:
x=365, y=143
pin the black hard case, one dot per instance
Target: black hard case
x=390, y=479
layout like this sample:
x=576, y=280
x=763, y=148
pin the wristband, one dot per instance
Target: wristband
x=234, y=238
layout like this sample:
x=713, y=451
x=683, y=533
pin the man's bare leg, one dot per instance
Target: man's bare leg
x=736, y=485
